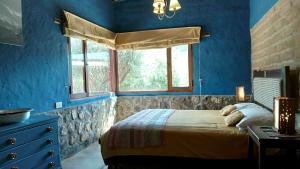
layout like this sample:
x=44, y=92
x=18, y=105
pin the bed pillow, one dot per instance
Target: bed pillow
x=240, y=106
x=233, y=118
x=227, y=110
x=255, y=115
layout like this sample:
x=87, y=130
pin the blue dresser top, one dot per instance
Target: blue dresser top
x=33, y=121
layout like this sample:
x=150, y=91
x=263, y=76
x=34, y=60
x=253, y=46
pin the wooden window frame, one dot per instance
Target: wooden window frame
x=169, y=75
x=87, y=93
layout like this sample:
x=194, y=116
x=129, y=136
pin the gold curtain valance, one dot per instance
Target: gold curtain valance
x=83, y=29
x=159, y=38
x=77, y=27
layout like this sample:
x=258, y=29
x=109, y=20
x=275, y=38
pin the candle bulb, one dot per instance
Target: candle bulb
x=240, y=94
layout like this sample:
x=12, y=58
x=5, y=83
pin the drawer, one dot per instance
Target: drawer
x=40, y=160
x=22, y=137
x=25, y=150
x=53, y=163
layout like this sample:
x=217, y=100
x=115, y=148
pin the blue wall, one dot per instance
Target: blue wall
x=258, y=8
x=35, y=74
x=224, y=57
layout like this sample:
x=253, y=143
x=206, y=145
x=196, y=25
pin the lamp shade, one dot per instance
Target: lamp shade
x=284, y=114
x=158, y=11
x=159, y=4
x=174, y=5
x=240, y=93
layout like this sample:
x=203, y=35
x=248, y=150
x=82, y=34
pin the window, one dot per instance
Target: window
x=78, y=69
x=142, y=70
x=155, y=69
x=180, y=66
x=98, y=67
x=94, y=69
x=90, y=67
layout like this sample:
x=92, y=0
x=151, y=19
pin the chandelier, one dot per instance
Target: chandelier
x=160, y=7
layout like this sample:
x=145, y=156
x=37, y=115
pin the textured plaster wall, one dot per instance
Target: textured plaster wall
x=36, y=74
x=258, y=8
x=224, y=57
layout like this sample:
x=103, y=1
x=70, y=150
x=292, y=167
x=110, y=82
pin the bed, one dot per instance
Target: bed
x=186, y=138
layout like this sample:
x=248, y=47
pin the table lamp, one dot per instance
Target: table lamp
x=240, y=94
x=284, y=115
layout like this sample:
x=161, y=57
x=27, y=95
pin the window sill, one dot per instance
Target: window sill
x=154, y=93
x=91, y=96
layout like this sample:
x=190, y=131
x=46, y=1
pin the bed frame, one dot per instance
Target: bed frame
x=156, y=162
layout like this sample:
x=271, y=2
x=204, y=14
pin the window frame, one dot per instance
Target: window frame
x=87, y=93
x=169, y=75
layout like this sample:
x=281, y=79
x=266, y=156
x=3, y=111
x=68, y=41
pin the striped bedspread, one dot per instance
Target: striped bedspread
x=142, y=129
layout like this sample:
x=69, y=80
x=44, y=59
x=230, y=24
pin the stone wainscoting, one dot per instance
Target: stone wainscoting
x=82, y=125
x=128, y=105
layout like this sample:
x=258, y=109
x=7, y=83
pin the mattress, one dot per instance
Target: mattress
x=190, y=133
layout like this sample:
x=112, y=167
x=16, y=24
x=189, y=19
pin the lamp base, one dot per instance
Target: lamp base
x=286, y=131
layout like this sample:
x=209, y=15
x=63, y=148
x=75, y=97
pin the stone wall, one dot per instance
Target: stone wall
x=82, y=125
x=128, y=105
x=276, y=40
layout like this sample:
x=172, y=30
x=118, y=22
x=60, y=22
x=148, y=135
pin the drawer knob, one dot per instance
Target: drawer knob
x=51, y=165
x=49, y=141
x=12, y=156
x=50, y=129
x=51, y=153
x=12, y=141
x=14, y=168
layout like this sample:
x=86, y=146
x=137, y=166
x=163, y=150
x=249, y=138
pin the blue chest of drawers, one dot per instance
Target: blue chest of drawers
x=32, y=144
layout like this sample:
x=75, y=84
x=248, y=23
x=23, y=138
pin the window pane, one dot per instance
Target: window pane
x=77, y=66
x=142, y=70
x=180, y=66
x=98, y=67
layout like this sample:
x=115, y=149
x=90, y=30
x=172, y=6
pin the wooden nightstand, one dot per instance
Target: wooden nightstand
x=266, y=137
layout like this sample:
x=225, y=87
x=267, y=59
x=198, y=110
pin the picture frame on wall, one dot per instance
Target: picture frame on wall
x=11, y=22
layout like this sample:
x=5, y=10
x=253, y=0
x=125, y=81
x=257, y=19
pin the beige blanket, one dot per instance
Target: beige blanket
x=191, y=133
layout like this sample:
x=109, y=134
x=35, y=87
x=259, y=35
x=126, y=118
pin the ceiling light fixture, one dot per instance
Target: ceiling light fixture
x=160, y=7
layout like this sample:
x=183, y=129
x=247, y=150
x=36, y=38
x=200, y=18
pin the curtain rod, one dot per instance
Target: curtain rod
x=203, y=34
x=57, y=21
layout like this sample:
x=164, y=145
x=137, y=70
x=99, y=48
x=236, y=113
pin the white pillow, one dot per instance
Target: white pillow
x=255, y=115
x=240, y=106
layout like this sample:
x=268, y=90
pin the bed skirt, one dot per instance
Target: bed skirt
x=151, y=162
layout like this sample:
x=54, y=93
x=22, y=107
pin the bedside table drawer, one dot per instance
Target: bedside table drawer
x=23, y=151
x=38, y=160
x=19, y=138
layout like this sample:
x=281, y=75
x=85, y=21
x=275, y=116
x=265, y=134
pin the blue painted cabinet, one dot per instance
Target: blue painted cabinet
x=32, y=144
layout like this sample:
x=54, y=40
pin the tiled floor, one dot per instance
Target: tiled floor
x=89, y=158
